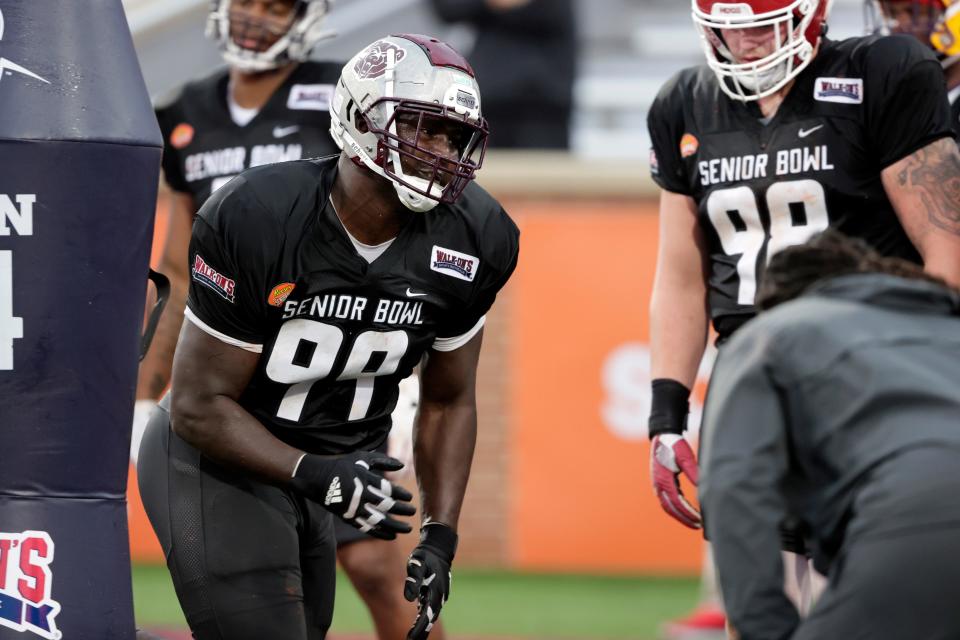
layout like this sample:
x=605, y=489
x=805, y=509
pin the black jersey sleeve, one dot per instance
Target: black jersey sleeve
x=906, y=98
x=501, y=249
x=666, y=127
x=171, y=164
x=229, y=264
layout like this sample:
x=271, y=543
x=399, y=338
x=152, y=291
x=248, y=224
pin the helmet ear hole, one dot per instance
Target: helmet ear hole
x=360, y=121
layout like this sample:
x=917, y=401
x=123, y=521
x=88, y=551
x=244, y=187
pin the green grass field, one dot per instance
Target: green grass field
x=486, y=603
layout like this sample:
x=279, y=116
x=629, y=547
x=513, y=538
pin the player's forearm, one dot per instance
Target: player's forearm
x=742, y=517
x=678, y=331
x=743, y=507
x=226, y=433
x=751, y=579
x=209, y=376
x=445, y=439
x=155, y=370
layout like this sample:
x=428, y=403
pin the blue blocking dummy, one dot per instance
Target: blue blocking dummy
x=79, y=165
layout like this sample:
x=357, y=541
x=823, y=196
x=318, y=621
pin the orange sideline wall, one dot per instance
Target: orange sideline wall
x=560, y=479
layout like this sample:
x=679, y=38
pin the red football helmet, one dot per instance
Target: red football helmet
x=798, y=26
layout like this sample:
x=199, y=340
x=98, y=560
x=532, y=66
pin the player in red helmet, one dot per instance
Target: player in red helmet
x=783, y=133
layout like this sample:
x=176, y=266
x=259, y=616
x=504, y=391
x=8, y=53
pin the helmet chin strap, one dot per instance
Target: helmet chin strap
x=413, y=201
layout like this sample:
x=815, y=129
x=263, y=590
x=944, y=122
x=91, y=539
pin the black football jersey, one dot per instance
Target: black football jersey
x=273, y=271
x=204, y=148
x=861, y=105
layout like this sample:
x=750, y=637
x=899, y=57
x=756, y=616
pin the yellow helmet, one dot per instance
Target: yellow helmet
x=945, y=37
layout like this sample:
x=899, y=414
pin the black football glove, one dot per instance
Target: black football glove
x=350, y=487
x=428, y=576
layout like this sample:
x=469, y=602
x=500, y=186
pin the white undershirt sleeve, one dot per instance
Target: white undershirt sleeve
x=246, y=346
x=454, y=343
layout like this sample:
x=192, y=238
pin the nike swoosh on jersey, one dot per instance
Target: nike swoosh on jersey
x=803, y=133
x=283, y=132
x=411, y=294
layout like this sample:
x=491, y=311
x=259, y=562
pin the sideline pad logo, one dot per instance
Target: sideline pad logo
x=26, y=582
x=8, y=67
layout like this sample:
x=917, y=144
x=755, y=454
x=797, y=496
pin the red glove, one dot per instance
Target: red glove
x=671, y=455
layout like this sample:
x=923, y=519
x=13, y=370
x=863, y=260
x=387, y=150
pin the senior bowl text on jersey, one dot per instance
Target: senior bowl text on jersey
x=796, y=161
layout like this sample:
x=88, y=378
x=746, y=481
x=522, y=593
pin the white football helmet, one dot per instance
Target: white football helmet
x=296, y=38
x=425, y=83
x=798, y=26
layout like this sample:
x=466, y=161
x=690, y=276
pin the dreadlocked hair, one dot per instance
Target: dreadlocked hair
x=827, y=255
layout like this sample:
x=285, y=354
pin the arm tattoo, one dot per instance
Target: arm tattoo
x=934, y=174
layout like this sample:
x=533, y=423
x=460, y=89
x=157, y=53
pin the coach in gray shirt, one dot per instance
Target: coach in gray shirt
x=841, y=407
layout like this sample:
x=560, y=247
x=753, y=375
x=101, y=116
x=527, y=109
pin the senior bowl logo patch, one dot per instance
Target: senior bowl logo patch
x=213, y=279
x=688, y=145
x=26, y=584
x=453, y=263
x=373, y=64
x=181, y=136
x=280, y=293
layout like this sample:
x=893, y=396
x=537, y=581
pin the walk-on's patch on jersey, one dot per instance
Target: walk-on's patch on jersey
x=842, y=90
x=336, y=333
x=861, y=105
x=204, y=149
x=212, y=279
x=26, y=584
x=312, y=97
x=453, y=263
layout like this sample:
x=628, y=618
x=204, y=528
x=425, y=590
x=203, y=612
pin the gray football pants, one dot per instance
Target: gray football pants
x=898, y=574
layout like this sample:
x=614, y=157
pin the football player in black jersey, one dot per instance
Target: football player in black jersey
x=935, y=23
x=316, y=286
x=782, y=134
x=270, y=104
